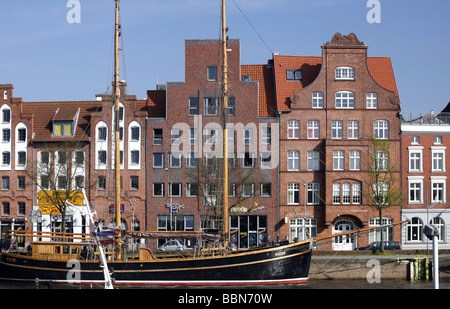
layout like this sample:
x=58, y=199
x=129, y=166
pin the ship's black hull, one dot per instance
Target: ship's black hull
x=287, y=264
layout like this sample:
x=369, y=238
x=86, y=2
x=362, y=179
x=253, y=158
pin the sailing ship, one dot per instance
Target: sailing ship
x=85, y=262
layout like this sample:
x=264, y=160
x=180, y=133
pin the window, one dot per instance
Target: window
x=294, y=74
x=62, y=182
x=355, y=160
x=6, y=136
x=102, y=133
x=5, y=208
x=381, y=129
x=293, y=193
x=313, y=129
x=353, y=129
x=414, y=229
x=313, y=194
x=338, y=160
x=193, y=106
x=232, y=189
x=135, y=157
x=45, y=157
x=415, y=191
x=6, y=158
x=21, y=208
x=121, y=110
x=347, y=73
x=381, y=161
x=345, y=99
x=372, y=100
x=438, y=189
x=45, y=182
x=191, y=160
x=336, y=193
x=415, y=161
x=438, y=160
x=135, y=133
x=158, y=189
x=22, y=135
x=79, y=181
x=415, y=140
x=212, y=73
x=317, y=100
x=266, y=189
x=134, y=182
x=21, y=182
x=313, y=160
x=61, y=128
x=175, y=135
x=157, y=136
x=293, y=129
x=79, y=157
x=265, y=159
x=175, y=160
x=231, y=106
x=336, y=129
x=438, y=140
x=356, y=193
x=302, y=229
x=248, y=136
x=249, y=159
x=62, y=157
x=5, y=183
x=175, y=189
x=293, y=160
x=6, y=116
x=211, y=106
x=193, y=136
x=346, y=193
x=158, y=160
x=102, y=157
x=248, y=189
x=380, y=192
x=192, y=189
x=266, y=136
x=21, y=158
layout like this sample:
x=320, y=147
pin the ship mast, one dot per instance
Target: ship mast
x=118, y=240
x=225, y=116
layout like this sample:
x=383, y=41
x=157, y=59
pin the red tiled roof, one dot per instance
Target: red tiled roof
x=380, y=68
x=264, y=75
x=44, y=113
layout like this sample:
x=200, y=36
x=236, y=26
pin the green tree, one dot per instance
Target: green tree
x=382, y=188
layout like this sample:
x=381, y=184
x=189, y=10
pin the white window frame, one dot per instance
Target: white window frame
x=381, y=129
x=313, y=193
x=355, y=160
x=293, y=129
x=313, y=160
x=353, y=129
x=293, y=160
x=313, y=129
x=438, y=159
x=317, y=100
x=293, y=190
x=415, y=159
x=338, y=160
x=345, y=100
x=337, y=129
x=372, y=100
x=441, y=181
x=415, y=184
x=344, y=73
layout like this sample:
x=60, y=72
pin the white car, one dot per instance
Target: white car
x=172, y=245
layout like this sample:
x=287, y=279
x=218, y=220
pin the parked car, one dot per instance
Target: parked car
x=388, y=245
x=5, y=244
x=172, y=245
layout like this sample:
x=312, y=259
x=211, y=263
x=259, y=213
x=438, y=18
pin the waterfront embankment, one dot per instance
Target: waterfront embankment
x=395, y=267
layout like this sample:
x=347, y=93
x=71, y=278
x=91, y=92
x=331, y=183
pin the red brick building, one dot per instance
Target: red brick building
x=425, y=166
x=330, y=108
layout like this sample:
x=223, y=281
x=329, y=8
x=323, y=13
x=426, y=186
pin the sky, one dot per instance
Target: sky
x=47, y=58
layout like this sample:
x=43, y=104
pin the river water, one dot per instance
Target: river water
x=311, y=285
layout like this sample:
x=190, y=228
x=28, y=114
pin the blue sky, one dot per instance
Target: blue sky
x=46, y=58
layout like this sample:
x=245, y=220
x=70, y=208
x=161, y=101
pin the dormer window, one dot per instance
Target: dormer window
x=64, y=122
x=294, y=74
x=345, y=73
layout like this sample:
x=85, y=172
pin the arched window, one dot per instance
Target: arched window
x=101, y=145
x=440, y=224
x=345, y=73
x=345, y=99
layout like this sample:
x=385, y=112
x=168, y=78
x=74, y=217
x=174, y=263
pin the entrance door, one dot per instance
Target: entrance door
x=346, y=242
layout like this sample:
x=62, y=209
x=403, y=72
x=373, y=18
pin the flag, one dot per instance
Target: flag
x=104, y=238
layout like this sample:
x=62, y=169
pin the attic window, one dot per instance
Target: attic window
x=62, y=128
x=345, y=73
x=294, y=74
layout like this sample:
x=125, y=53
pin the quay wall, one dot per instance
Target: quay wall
x=394, y=267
